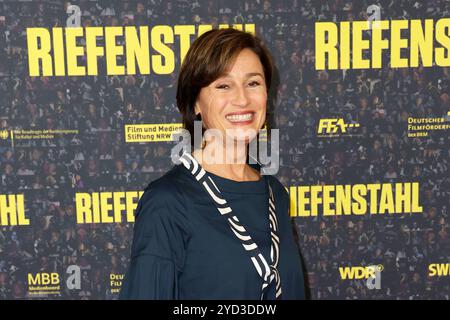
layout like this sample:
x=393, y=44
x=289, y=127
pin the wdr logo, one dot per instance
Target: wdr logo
x=371, y=273
x=439, y=270
x=334, y=127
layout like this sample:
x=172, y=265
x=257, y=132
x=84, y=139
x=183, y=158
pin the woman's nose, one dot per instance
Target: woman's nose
x=240, y=98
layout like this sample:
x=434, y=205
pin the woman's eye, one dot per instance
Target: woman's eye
x=254, y=84
x=222, y=86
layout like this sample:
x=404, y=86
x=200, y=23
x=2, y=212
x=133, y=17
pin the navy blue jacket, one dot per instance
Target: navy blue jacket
x=184, y=249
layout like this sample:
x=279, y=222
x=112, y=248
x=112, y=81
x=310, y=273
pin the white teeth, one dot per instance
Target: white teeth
x=239, y=117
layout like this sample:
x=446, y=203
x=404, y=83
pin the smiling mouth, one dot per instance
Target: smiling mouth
x=245, y=117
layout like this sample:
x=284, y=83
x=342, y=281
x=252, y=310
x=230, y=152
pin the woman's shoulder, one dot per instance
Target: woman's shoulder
x=281, y=196
x=169, y=188
x=162, y=215
x=277, y=186
x=164, y=201
x=170, y=184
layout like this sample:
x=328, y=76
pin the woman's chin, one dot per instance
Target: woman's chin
x=240, y=139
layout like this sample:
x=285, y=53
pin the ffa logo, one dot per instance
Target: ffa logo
x=335, y=126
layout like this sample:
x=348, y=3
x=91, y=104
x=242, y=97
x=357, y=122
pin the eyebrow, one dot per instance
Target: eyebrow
x=247, y=75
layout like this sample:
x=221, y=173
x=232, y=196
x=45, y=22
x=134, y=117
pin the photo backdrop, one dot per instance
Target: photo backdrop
x=364, y=148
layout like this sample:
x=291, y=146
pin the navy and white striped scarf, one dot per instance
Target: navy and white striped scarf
x=267, y=272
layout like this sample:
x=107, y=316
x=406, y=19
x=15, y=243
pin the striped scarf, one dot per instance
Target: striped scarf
x=267, y=272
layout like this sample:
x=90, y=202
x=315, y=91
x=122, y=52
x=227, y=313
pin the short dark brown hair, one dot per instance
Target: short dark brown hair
x=208, y=58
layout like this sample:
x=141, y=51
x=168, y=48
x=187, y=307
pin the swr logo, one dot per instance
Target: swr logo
x=360, y=272
x=439, y=269
x=43, y=278
x=334, y=126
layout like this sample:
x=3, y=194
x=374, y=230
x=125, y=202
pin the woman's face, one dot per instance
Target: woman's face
x=236, y=100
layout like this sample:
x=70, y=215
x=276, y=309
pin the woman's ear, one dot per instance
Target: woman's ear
x=197, y=109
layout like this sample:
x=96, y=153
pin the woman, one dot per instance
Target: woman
x=208, y=229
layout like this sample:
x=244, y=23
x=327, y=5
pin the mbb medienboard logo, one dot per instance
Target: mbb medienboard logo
x=49, y=283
